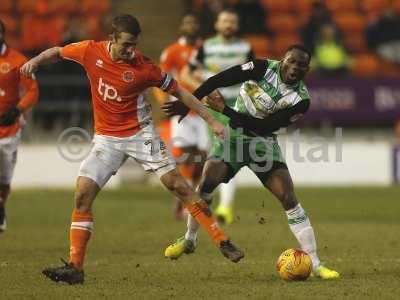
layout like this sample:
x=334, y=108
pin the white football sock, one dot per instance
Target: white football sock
x=192, y=225
x=301, y=227
x=227, y=193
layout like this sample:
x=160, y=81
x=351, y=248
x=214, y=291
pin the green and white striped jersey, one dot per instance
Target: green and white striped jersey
x=217, y=54
x=269, y=94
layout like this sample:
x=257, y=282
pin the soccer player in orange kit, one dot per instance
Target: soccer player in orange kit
x=118, y=75
x=190, y=136
x=12, y=105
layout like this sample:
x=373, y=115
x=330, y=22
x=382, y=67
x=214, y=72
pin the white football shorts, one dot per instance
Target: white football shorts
x=8, y=157
x=109, y=153
x=192, y=131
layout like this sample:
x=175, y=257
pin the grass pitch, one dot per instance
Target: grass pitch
x=357, y=233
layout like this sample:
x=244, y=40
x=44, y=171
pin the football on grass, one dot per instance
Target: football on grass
x=294, y=264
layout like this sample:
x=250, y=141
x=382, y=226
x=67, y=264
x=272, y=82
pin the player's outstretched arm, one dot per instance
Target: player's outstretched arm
x=253, y=70
x=189, y=77
x=193, y=103
x=48, y=56
x=256, y=126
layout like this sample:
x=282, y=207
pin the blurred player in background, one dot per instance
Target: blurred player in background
x=17, y=94
x=218, y=53
x=272, y=96
x=190, y=138
x=119, y=75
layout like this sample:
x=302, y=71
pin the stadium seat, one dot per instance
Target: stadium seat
x=355, y=43
x=6, y=6
x=396, y=6
x=14, y=41
x=373, y=6
x=281, y=43
x=64, y=7
x=31, y=25
x=303, y=6
x=372, y=16
x=94, y=6
x=350, y=23
x=55, y=35
x=40, y=7
x=390, y=70
x=94, y=27
x=336, y=6
x=280, y=6
x=260, y=45
x=282, y=23
x=366, y=65
x=10, y=22
x=26, y=6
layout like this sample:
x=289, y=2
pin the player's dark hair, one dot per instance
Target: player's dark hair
x=125, y=23
x=2, y=27
x=300, y=48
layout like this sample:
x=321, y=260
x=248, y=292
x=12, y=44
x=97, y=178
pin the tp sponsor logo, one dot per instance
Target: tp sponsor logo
x=107, y=91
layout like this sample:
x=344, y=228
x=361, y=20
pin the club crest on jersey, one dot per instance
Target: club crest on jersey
x=99, y=63
x=5, y=67
x=127, y=76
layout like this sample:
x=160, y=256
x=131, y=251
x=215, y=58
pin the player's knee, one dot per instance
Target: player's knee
x=177, y=185
x=83, y=200
x=208, y=185
x=182, y=189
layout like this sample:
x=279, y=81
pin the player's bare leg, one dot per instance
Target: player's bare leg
x=199, y=210
x=4, y=193
x=80, y=232
x=213, y=174
x=190, y=166
x=280, y=184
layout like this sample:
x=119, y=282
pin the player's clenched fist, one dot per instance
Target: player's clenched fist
x=218, y=129
x=29, y=68
x=216, y=101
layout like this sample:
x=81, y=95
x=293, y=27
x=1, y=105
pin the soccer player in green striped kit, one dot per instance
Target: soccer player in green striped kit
x=218, y=53
x=272, y=96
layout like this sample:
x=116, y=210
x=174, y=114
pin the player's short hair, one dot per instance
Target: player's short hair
x=228, y=10
x=2, y=27
x=125, y=23
x=300, y=48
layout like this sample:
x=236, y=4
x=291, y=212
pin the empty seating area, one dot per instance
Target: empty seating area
x=37, y=24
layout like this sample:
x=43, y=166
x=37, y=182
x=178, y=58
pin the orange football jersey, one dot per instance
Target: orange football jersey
x=117, y=87
x=12, y=85
x=175, y=57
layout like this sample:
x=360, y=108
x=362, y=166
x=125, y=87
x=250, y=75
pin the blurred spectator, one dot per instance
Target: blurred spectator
x=252, y=17
x=319, y=17
x=75, y=31
x=330, y=56
x=208, y=14
x=383, y=36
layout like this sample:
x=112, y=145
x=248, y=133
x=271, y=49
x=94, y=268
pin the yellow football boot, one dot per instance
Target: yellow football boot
x=325, y=273
x=224, y=215
x=181, y=246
